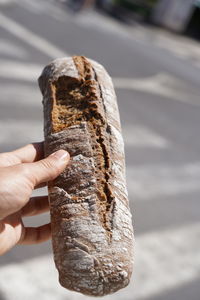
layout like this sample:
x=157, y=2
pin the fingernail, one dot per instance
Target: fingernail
x=61, y=154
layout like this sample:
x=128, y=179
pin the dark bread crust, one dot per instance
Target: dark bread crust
x=91, y=222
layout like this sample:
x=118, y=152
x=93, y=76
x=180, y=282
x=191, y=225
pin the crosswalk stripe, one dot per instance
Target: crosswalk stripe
x=49, y=8
x=31, y=38
x=23, y=95
x=163, y=260
x=142, y=180
x=9, y=48
x=137, y=137
x=13, y=130
x=19, y=70
x=140, y=136
x=160, y=84
x=151, y=181
x=6, y=2
x=166, y=259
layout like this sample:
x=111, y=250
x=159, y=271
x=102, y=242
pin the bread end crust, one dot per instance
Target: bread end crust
x=91, y=222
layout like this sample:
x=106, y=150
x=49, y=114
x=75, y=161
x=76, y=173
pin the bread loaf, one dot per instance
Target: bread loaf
x=92, y=232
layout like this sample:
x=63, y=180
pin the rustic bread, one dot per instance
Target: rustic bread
x=91, y=222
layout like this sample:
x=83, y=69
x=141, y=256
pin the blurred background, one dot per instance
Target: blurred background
x=151, y=50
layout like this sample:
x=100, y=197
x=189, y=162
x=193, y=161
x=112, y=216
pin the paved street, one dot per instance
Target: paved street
x=157, y=81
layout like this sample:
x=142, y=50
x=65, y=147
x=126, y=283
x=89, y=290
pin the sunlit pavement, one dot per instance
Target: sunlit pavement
x=157, y=84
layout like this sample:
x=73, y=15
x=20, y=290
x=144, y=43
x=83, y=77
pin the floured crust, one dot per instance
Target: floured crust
x=91, y=222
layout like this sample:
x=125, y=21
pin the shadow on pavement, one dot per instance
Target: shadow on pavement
x=21, y=253
x=188, y=290
x=27, y=252
x=2, y=296
x=171, y=211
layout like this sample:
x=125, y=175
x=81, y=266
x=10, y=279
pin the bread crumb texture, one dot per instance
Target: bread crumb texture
x=77, y=101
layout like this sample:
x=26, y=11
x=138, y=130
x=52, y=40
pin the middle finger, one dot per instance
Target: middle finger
x=35, y=206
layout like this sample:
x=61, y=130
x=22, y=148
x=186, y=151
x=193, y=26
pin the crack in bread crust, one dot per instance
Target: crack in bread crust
x=80, y=100
x=92, y=233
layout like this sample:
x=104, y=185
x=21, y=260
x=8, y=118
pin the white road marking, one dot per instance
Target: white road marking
x=174, y=47
x=139, y=136
x=100, y=22
x=31, y=38
x=32, y=6
x=13, y=131
x=144, y=182
x=166, y=259
x=163, y=260
x=152, y=181
x=29, y=285
x=44, y=7
x=161, y=84
x=9, y=48
x=182, y=47
x=21, y=94
x=20, y=71
x=6, y=2
x=177, y=45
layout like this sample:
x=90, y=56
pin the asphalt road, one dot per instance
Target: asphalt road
x=158, y=97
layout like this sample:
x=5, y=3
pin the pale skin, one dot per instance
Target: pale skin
x=21, y=171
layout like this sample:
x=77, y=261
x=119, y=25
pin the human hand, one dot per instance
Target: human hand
x=21, y=171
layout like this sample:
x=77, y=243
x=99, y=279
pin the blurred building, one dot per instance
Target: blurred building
x=128, y=10
x=179, y=15
x=182, y=16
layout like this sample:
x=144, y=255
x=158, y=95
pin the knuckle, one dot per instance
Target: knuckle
x=27, y=175
x=7, y=159
x=22, y=169
x=47, y=163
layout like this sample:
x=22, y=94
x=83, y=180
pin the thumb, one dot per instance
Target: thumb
x=47, y=169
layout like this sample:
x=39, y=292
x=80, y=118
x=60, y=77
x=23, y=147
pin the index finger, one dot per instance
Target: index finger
x=27, y=154
x=35, y=235
x=30, y=153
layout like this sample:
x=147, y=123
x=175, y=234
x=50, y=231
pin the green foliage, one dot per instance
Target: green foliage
x=142, y=7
